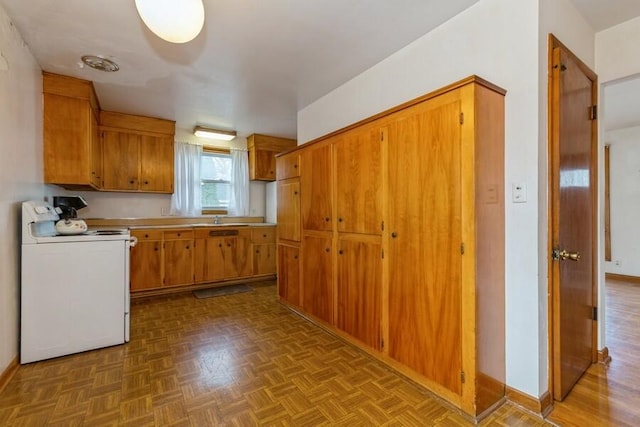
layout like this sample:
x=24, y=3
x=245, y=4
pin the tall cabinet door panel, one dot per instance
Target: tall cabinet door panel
x=120, y=155
x=146, y=265
x=289, y=273
x=425, y=240
x=289, y=210
x=358, y=160
x=316, y=277
x=178, y=261
x=359, y=289
x=315, y=187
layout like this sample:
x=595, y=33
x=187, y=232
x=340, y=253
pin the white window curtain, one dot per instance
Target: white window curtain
x=239, y=200
x=187, y=194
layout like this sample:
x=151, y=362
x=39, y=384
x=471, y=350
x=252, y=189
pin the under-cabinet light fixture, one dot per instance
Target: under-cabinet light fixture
x=223, y=135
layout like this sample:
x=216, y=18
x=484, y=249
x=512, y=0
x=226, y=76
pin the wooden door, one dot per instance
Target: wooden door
x=573, y=221
x=146, y=259
x=289, y=210
x=178, y=262
x=315, y=187
x=262, y=165
x=425, y=244
x=264, y=258
x=359, y=288
x=358, y=165
x=156, y=164
x=316, y=277
x=289, y=273
x=237, y=255
x=120, y=160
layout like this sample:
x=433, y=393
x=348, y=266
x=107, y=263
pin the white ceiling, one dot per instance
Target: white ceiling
x=256, y=62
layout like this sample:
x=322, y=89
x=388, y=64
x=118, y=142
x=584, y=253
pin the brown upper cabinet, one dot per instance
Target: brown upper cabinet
x=137, y=153
x=262, y=152
x=72, y=154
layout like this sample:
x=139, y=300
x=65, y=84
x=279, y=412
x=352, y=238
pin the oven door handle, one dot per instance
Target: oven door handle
x=133, y=241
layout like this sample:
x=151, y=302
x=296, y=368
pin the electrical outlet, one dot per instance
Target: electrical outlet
x=519, y=192
x=617, y=263
x=164, y=211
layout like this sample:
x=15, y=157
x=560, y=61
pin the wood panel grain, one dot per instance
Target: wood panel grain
x=316, y=207
x=425, y=244
x=146, y=265
x=264, y=258
x=178, y=261
x=288, y=166
x=359, y=288
x=156, y=164
x=288, y=215
x=289, y=274
x=121, y=157
x=317, y=276
x=134, y=123
x=358, y=164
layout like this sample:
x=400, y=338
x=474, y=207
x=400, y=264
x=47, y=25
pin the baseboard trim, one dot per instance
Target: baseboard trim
x=8, y=373
x=603, y=356
x=541, y=407
x=623, y=278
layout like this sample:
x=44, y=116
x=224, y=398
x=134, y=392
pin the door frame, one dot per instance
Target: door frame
x=553, y=137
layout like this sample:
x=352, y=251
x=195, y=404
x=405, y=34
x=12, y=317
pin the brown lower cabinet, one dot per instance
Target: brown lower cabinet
x=401, y=220
x=177, y=257
x=289, y=273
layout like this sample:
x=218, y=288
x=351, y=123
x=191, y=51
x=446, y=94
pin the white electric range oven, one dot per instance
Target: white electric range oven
x=74, y=288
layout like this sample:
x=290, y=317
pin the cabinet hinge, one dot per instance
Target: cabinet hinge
x=594, y=313
x=382, y=343
x=462, y=248
x=461, y=118
x=383, y=254
x=382, y=225
x=462, y=377
x=593, y=112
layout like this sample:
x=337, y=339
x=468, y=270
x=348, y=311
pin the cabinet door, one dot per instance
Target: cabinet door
x=262, y=165
x=178, y=262
x=67, y=135
x=425, y=242
x=264, y=258
x=317, y=277
x=358, y=165
x=96, y=152
x=121, y=162
x=145, y=269
x=289, y=210
x=208, y=260
x=237, y=256
x=315, y=187
x=156, y=164
x=289, y=273
x=359, y=289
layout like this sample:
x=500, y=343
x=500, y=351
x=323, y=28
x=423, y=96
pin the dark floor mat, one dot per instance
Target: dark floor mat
x=221, y=290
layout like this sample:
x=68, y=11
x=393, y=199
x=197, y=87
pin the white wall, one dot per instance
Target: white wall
x=501, y=41
x=616, y=57
x=625, y=199
x=141, y=205
x=20, y=170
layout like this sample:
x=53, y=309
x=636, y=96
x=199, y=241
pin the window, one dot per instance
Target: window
x=215, y=172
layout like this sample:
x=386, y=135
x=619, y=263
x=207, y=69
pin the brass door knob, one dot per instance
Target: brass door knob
x=562, y=255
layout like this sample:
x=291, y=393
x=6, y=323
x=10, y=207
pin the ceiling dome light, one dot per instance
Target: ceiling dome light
x=176, y=21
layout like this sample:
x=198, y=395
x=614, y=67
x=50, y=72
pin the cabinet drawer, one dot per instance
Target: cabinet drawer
x=288, y=166
x=143, y=235
x=182, y=234
x=263, y=235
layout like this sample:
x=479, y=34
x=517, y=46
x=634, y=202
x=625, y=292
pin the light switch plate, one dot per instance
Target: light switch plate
x=519, y=192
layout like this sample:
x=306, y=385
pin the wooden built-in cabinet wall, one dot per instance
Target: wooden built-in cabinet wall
x=187, y=256
x=89, y=149
x=391, y=233
x=262, y=155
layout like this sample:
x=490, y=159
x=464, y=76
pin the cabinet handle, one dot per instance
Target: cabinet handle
x=178, y=234
x=146, y=236
x=327, y=219
x=326, y=249
x=146, y=182
x=295, y=166
x=394, y=235
x=295, y=257
x=219, y=245
x=257, y=251
x=340, y=252
x=131, y=182
x=155, y=249
x=295, y=193
x=339, y=219
x=187, y=247
x=264, y=235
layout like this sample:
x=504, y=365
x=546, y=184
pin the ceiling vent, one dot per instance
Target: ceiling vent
x=101, y=64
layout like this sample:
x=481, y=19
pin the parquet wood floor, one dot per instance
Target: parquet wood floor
x=238, y=360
